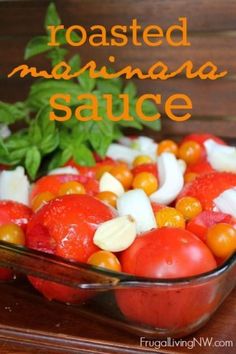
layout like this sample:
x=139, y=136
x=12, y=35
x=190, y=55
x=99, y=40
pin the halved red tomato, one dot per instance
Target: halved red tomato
x=65, y=227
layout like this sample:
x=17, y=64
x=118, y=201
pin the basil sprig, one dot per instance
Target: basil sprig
x=40, y=144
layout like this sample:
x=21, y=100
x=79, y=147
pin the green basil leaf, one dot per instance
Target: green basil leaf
x=61, y=37
x=99, y=142
x=130, y=89
x=42, y=91
x=57, y=55
x=32, y=162
x=86, y=82
x=17, y=141
x=35, y=135
x=149, y=109
x=83, y=156
x=10, y=113
x=108, y=86
x=49, y=143
x=46, y=125
x=52, y=17
x=36, y=45
x=75, y=63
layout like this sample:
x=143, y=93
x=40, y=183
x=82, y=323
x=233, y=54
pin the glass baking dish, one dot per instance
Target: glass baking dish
x=157, y=308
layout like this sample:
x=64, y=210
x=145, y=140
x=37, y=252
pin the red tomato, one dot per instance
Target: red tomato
x=147, y=167
x=16, y=213
x=200, y=224
x=167, y=253
x=91, y=171
x=209, y=186
x=202, y=137
x=157, y=207
x=201, y=167
x=6, y=274
x=53, y=183
x=65, y=227
x=83, y=170
x=13, y=212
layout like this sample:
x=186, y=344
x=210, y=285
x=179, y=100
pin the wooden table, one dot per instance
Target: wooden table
x=27, y=321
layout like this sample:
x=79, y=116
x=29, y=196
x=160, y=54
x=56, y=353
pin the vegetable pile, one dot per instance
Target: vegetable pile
x=142, y=210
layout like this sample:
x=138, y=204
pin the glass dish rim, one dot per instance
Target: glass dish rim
x=116, y=279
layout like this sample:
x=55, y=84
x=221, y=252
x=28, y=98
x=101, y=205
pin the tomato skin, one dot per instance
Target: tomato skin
x=162, y=253
x=83, y=170
x=202, y=137
x=65, y=227
x=221, y=239
x=157, y=207
x=147, y=167
x=16, y=213
x=209, y=186
x=91, y=171
x=148, y=255
x=63, y=293
x=6, y=274
x=200, y=224
x=53, y=183
x=202, y=166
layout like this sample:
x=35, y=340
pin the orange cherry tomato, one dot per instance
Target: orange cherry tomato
x=190, y=152
x=100, y=170
x=106, y=260
x=146, y=181
x=108, y=198
x=170, y=217
x=123, y=174
x=141, y=160
x=72, y=187
x=41, y=199
x=221, y=239
x=190, y=176
x=167, y=146
x=12, y=233
x=189, y=207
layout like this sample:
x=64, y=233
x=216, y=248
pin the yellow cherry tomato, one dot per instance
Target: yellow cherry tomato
x=190, y=151
x=189, y=207
x=221, y=239
x=190, y=176
x=41, y=199
x=12, y=233
x=108, y=198
x=167, y=146
x=123, y=174
x=72, y=187
x=141, y=160
x=170, y=217
x=146, y=181
x=106, y=260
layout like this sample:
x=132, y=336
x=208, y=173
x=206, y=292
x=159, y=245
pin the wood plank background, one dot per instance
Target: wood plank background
x=212, y=33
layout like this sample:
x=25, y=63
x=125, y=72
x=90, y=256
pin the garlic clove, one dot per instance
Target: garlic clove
x=115, y=235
